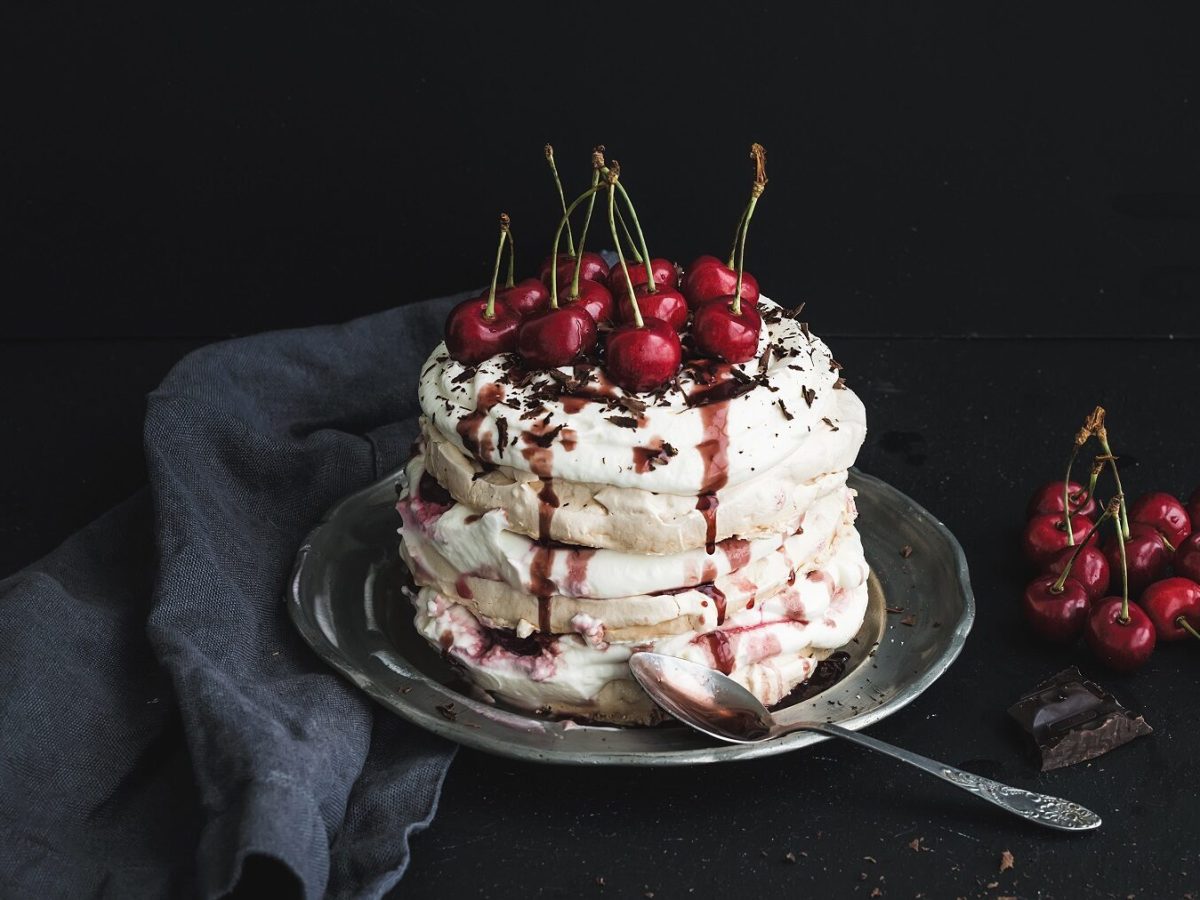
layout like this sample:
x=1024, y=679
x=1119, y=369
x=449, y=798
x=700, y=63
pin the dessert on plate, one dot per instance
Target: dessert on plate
x=582, y=490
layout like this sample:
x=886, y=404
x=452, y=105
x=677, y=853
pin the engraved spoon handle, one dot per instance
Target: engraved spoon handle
x=1041, y=809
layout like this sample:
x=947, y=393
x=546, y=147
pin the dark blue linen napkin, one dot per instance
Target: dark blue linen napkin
x=163, y=729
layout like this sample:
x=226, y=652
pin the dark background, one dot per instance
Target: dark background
x=954, y=168
x=946, y=181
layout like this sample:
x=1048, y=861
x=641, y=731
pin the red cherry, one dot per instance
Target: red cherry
x=666, y=304
x=1049, y=499
x=1162, y=511
x=471, y=337
x=1145, y=554
x=1193, y=507
x=1187, y=557
x=1123, y=646
x=1056, y=616
x=593, y=268
x=595, y=298
x=1090, y=569
x=708, y=278
x=525, y=297
x=1046, y=535
x=642, y=359
x=721, y=332
x=666, y=274
x=556, y=337
x=1166, y=601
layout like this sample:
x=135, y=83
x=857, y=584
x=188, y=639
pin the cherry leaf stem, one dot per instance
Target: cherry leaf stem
x=558, y=239
x=1057, y=587
x=612, y=226
x=489, y=311
x=561, y=199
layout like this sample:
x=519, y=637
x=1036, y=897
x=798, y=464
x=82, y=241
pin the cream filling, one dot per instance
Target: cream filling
x=459, y=546
x=762, y=427
x=769, y=648
x=630, y=518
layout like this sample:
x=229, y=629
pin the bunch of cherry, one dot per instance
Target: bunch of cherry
x=639, y=306
x=1077, y=591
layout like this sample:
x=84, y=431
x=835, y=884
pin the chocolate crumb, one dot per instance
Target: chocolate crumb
x=783, y=409
x=915, y=843
x=894, y=609
x=599, y=881
x=909, y=620
x=448, y=712
x=876, y=892
x=906, y=550
x=1007, y=861
x=829, y=422
x=790, y=856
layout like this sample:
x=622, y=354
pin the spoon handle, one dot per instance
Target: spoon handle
x=1042, y=809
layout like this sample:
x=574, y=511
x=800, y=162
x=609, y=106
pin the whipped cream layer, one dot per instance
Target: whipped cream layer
x=633, y=519
x=457, y=542
x=573, y=424
x=769, y=648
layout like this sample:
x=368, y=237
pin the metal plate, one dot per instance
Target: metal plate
x=346, y=600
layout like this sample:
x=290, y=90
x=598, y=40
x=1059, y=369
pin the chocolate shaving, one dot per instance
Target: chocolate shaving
x=906, y=551
x=623, y=421
x=827, y=421
x=840, y=384
x=502, y=432
x=739, y=375
x=795, y=311
x=783, y=409
x=545, y=439
x=809, y=395
x=834, y=365
x=804, y=328
x=447, y=711
x=909, y=620
x=465, y=375
x=632, y=404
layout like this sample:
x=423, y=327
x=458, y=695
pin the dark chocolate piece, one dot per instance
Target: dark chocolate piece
x=1072, y=720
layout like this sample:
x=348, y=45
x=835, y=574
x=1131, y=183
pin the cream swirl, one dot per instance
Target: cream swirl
x=591, y=431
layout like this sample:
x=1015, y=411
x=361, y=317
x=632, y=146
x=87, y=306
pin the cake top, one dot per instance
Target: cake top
x=715, y=424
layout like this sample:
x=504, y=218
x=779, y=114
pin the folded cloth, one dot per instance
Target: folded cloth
x=163, y=729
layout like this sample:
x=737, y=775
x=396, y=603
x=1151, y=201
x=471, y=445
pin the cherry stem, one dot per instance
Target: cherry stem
x=633, y=251
x=651, y=287
x=1066, y=572
x=612, y=226
x=512, y=253
x=1121, y=538
x=489, y=311
x=561, y=199
x=1097, y=468
x=1102, y=436
x=759, y=155
x=1183, y=623
x=562, y=223
x=737, y=239
x=597, y=164
x=1067, y=495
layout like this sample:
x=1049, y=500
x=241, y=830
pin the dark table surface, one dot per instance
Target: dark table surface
x=967, y=428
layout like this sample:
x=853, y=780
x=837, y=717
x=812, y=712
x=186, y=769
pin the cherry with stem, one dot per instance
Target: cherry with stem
x=722, y=327
x=479, y=328
x=644, y=353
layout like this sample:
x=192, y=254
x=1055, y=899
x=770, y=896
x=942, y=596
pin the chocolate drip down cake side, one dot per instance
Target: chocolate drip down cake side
x=555, y=522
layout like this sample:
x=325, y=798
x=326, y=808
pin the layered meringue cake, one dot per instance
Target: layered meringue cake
x=555, y=524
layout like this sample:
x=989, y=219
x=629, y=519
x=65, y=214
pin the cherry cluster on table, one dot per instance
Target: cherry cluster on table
x=1089, y=601
x=638, y=306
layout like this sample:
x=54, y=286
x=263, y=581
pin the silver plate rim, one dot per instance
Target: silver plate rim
x=399, y=698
